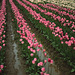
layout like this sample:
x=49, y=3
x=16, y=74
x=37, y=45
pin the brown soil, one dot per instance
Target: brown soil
x=0, y=5
x=12, y=68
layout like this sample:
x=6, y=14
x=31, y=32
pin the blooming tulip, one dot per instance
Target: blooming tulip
x=43, y=69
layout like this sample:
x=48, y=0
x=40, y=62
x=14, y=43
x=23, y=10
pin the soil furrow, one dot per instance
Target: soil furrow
x=13, y=61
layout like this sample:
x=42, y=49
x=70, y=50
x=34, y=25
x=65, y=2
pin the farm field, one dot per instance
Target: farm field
x=37, y=37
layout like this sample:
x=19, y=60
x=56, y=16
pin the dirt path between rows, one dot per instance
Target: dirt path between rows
x=14, y=63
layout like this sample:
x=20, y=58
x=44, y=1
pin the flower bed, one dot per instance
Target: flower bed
x=57, y=31
x=71, y=11
x=2, y=34
x=62, y=48
x=62, y=13
x=62, y=21
x=26, y=38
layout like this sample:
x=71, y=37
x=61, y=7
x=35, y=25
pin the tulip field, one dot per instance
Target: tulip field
x=36, y=38
x=2, y=33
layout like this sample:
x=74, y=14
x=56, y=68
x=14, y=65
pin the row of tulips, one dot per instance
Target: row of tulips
x=2, y=34
x=62, y=21
x=25, y=34
x=61, y=8
x=64, y=50
x=62, y=13
x=57, y=31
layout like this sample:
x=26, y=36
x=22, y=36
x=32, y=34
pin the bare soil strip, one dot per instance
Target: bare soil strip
x=0, y=4
x=13, y=61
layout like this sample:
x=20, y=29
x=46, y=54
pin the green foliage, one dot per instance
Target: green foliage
x=67, y=52
x=32, y=69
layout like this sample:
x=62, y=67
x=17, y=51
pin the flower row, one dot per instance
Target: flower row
x=61, y=8
x=25, y=33
x=63, y=21
x=67, y=52
x=62, y=13
x=57, y=31
x=2, y=33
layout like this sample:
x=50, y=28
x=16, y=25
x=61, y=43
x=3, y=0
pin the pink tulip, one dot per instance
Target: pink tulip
x=3, y=44
x=3, y=41
x=28, y=47
x=3, y=35
x=45, y=54
x=44, y=50
x=22, y=42
x=1, y=66
x=20, y=39
x=38, y=49
x=35, y=59
x=74, y=48
x=33, y=51
x=62, y=42
x=33, y=35
x=40, y=45
x=43, y=69
x=45, y=61
x=42, y=73
x=51, y=61
x=41, y=63
x=35, y=44
x=33, y=62
x=12, y=19
x=0, y=70
x=0, y=47
x=31, y=54
x=4, y=31
x=38, y=64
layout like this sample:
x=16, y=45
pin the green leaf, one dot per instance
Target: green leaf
x=72, y=70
